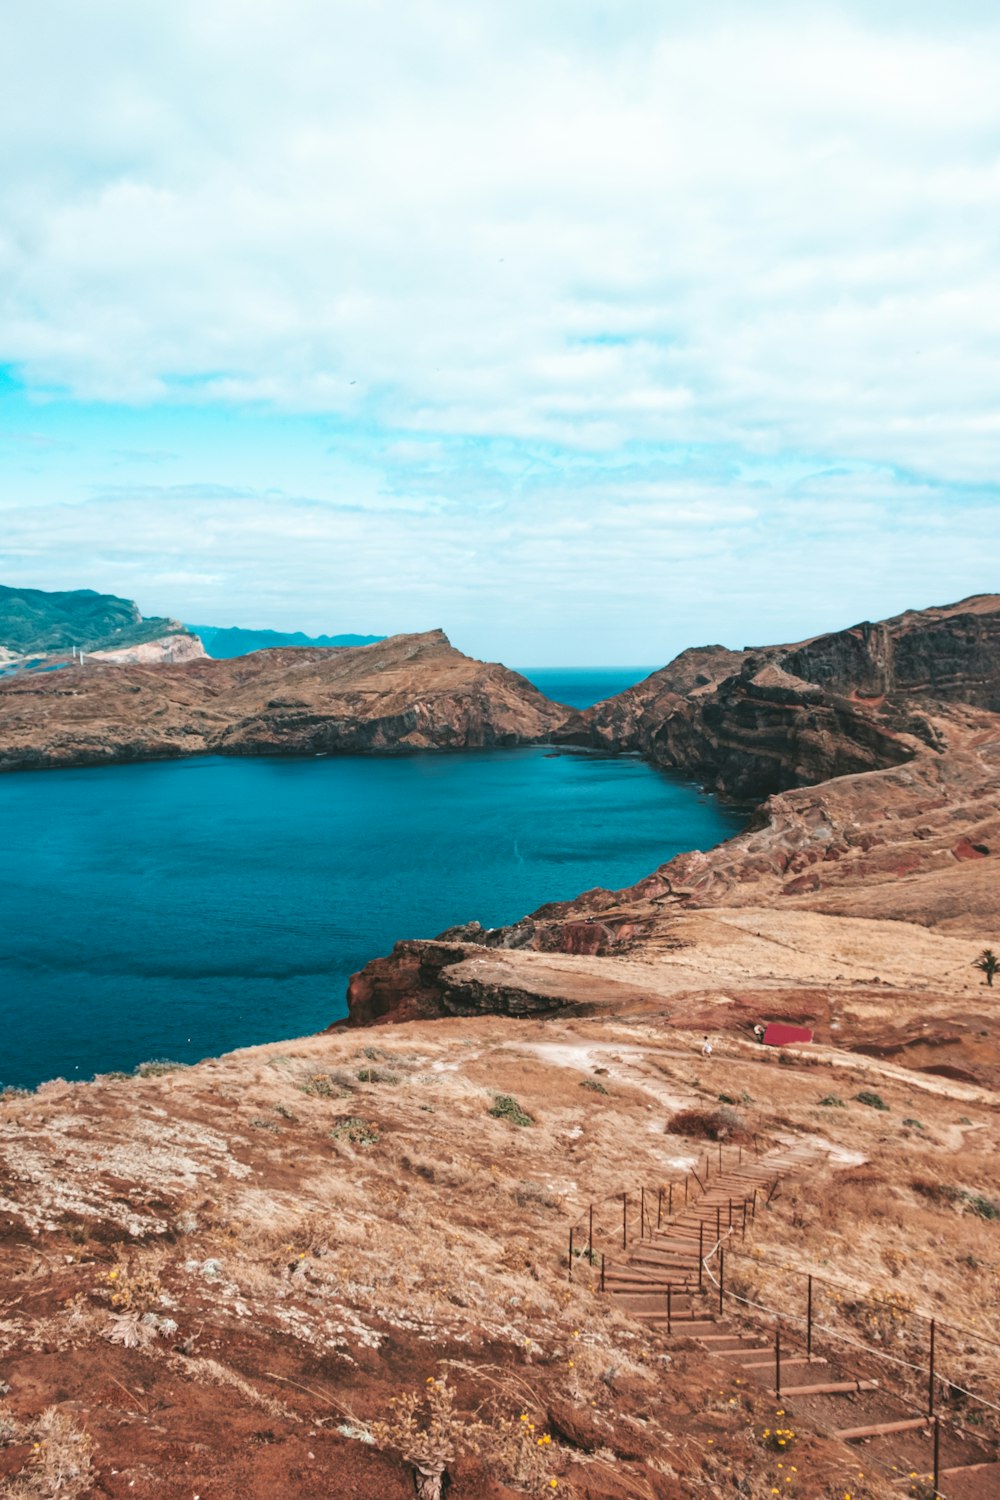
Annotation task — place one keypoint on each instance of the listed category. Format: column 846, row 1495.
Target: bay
column 182, row 908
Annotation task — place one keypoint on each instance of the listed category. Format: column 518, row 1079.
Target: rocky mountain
column 764, row 719
column 225, row 642
column 38, row 624
column 410, row 692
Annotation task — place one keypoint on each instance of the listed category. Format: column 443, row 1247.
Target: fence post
column 701, row 1253
column 590, row 1237
column 753, row 1207
column 624, row 1221
column 602, row 1270
column 777, row 1361
column 642, row 1213
column 722, row 1278
column 730, row 1213
column 809, row 1319
column 670, row 1200
column 740, row 1160
column 669, row 1328
column 744, row 1234
column 718, row 1223
column 686, row 1177
column 570, row 1277
column 720, row 1156
column 937, row 1453
column 930, row 1382
column 659, row 1208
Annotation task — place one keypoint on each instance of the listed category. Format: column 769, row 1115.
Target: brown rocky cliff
column 410, row 692
column 883, row 805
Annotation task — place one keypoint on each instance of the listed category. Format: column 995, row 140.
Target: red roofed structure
column 779, row 1035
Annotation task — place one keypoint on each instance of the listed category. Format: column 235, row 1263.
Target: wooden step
column 796, row 1359
column 832, row 1388
column 880, row 1429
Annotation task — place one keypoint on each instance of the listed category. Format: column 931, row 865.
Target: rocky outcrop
column 757, row 721
column 411, row 692
column 878, row 800
column 165, row 649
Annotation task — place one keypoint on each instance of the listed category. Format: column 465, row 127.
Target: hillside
column 411, row 692
column 38, row 623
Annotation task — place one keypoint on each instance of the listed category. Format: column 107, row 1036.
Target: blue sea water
column 579, row 687
column 182, row 908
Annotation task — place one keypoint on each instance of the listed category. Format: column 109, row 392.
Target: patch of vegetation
column 831, row 1101
column 259, row 1124
column 358, row 1132
column 720, row 1124
column 157, row 1066
column 913, row 1124
column 506, row 1107
column 285, row 1113
column 874, row 1101
column 324, row 1086
column 726, row 1099
column 593, row 1085
column 980, row 1205
column 376, row 1075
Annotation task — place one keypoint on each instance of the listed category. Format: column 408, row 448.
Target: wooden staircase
column 672, row 1278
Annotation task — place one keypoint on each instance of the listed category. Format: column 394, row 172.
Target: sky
column 584, row 331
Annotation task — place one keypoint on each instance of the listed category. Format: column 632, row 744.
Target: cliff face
column 757, row 721
column 882, row 801
column 411, row 692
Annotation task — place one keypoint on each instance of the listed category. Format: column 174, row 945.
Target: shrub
column 358, row 1132
column 157, row 1066
column 506, row 1107
column 724, row 1123
column 981, row 1206
column 593, row 1085
column 325, row 1086
column 376, row 1075
column 874, row 1101
column 830, row 1101
column 914, row 1124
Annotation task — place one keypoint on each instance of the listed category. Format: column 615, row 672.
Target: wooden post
column 685, row 1189
column 570, row 1277
column 624, row 1221
column 777, row 1361
column 602, row 1271
column 740, row 1159
column 659, row 1208
column 744, row 1234
column 701, row 1253
column 669, row 1327
column 809, row 1319
column 718, row 1223
column 753, row 1207
column 590, row 1237
column 722, row 1278
column 730, row 1213
column 642, row 1212
column 930, row 1382
column 670, row 1199
column 720, row 1156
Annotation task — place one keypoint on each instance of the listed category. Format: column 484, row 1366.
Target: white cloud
column 412, row 216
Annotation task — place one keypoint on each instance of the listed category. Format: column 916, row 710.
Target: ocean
column 178, row 909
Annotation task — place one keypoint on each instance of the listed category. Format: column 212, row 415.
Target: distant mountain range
column 37, row 623
column 226, row 641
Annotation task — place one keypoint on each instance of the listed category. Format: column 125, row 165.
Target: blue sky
column 585, row 331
